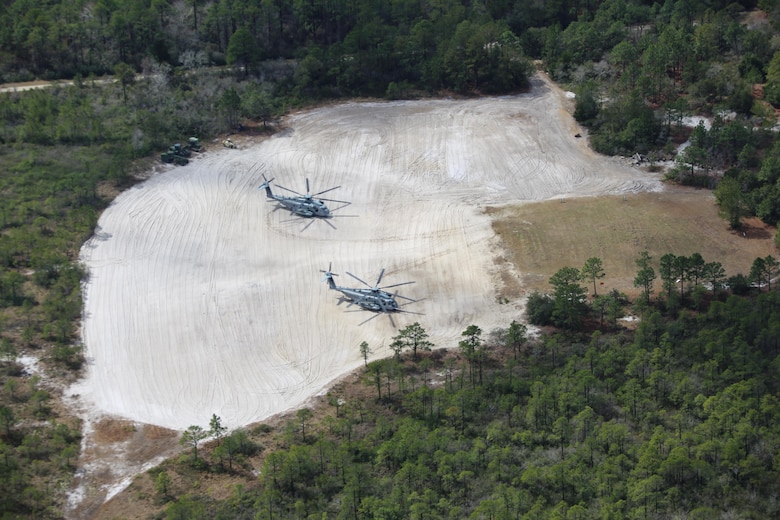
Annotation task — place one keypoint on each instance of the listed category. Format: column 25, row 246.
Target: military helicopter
column 302, row 205
column 373, row 298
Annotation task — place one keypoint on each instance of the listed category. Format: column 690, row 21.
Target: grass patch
column 540, row 238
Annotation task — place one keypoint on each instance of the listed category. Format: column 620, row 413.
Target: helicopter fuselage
column 304, row 206
column 370, row 299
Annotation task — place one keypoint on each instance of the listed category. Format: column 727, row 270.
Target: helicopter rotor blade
column 410, row 300
column 329, row 272
column 330, row 267
column 321, row 192
column 307, row 187
column 379, row 280
column 291, row 191
column 341, row 207
column 369, row 319
column 358, row 279
column 294, row 217
column 334, row 200
column 396, row 285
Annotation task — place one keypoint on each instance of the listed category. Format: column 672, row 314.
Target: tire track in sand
column 202, row 299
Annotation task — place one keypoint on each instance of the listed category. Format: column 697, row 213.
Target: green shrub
column 539, row 309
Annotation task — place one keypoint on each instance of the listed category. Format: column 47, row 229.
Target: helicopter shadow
column 388, row 314
column 342, row 299
column 298, row 220
column 309, row 220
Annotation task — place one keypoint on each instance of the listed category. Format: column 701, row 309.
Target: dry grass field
column 542, row 237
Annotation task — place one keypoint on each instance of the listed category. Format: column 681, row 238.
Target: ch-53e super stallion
column 303, row 205
column 373, row 298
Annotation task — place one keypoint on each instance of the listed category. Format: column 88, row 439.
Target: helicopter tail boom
column 267, row 187
column 331, row 282
column 329, row 278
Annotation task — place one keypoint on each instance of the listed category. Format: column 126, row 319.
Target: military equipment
column 193, row 143
column 176, row 154
column 371, row 297
column 303, row 205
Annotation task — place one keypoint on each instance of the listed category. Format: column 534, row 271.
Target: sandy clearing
column 203, row 299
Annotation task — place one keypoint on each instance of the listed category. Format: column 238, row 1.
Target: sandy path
column 203, row 299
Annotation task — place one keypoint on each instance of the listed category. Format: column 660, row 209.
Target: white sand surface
column 202, row 298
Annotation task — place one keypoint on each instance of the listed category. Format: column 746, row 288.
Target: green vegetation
column 678, row 418
column 204, row 67
column 38, row 447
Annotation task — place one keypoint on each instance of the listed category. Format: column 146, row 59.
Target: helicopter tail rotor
column 329, row 276
column 267, row 187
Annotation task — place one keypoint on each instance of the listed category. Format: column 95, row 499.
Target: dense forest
column 133, row 76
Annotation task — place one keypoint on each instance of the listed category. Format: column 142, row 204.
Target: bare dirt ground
column 203, row 299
